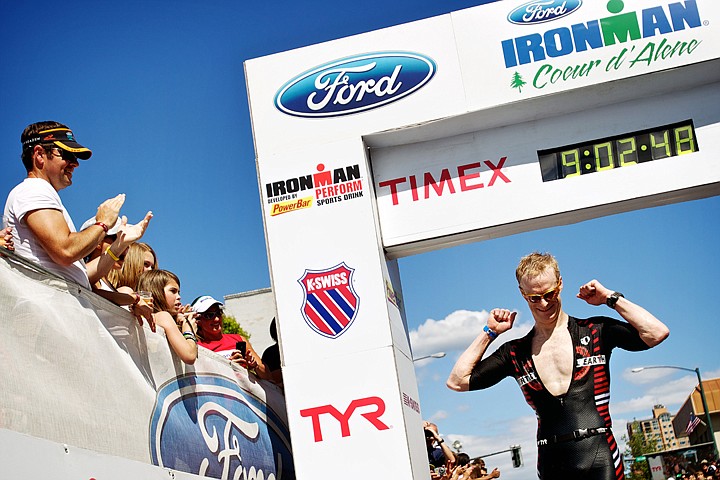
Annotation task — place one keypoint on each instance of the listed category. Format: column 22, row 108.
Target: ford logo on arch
column 355, row 84
column 539, row 11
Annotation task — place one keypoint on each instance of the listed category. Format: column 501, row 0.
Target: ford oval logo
column 540, row 11
column 208, row 426
column 355, row 84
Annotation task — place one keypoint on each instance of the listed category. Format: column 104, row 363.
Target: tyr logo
column 344, row 418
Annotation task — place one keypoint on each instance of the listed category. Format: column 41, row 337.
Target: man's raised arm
column 651, row 330
column 499, row 321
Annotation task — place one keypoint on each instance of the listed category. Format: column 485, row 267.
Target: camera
column 440, row 471
column 242, row 347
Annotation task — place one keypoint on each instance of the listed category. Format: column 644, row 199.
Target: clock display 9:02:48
column 619, row 151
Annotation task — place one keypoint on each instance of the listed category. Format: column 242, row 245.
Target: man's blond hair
column 535, row 264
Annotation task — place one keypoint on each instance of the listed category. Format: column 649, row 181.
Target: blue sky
column 157, row 90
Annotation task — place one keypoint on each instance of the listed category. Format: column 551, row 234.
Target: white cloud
column 437, row 416
column 455, row 333
column 521, row 431
column 659, row 390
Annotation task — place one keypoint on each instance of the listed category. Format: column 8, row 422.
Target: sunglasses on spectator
column 549, row 296
column 211, row 314
column 64, row 154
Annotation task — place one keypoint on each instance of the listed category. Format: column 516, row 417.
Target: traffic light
column 516, row 456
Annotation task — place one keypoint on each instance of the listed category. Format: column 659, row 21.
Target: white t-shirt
column 38, row 194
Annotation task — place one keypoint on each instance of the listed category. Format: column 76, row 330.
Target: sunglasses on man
column 549, row 296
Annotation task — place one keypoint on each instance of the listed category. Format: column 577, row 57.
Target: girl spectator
column 139, row 258
column 111, row 251
column 170, row 313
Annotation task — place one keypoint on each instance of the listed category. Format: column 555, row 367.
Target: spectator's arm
column 254, row 362
column 99, row 267
column 138, row 307
column 457, row 471
column 126, row 236
column 494, row 474
column 63, row 246
column 6, row 238
column 449, row 455
column 432, row 428
column 185, row 348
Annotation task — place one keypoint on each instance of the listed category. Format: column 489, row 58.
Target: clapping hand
column 6, row 238
column 132, row 233
column 108, row 211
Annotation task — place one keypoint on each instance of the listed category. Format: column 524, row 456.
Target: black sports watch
column 613, row 298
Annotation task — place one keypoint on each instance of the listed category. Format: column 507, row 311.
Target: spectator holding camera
column 230, row 345
column 439, row 454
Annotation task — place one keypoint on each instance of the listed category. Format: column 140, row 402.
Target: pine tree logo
column 517, row 82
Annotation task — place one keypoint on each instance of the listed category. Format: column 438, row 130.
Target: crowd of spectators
column 106, row 255
column 447, row 465
column 682, row 469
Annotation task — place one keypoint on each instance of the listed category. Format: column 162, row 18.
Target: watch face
column 612, row 299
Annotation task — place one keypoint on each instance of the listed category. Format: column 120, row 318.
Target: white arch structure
column 429, row 134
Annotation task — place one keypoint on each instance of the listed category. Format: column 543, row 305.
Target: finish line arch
column 445, row 131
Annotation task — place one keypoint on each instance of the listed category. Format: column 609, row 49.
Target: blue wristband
column 490, row 333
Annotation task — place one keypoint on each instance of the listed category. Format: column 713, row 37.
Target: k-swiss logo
column 330, row 304
column 539, row 11
column 355, row 84
column 344, row 418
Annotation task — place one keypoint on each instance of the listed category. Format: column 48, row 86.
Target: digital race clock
column 619, row 151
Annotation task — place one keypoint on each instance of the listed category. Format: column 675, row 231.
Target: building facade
column 658, row 431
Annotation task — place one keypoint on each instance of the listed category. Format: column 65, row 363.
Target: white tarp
column 80, row 371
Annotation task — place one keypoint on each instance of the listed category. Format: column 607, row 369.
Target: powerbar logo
column 617, row 28
column 328, row 186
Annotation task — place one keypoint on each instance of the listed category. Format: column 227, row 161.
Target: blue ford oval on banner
column 355, row 84
column 330, row 303
column 208, row 425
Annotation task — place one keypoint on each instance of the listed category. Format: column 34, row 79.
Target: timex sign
column 371, row 415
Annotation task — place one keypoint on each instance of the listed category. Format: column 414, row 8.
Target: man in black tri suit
column 562, row 367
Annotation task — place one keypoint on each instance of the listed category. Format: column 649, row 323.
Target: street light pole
column 702, row 397
column 434, row 355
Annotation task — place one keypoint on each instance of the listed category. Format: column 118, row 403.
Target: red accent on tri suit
column 585, row 404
